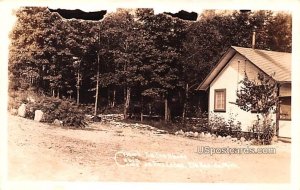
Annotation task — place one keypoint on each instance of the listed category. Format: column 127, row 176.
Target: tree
column 124, row 33
column 260, row 97
column 280, row 32
column 31, row 48
column 38, row 49
column 119, row 29
column 166, row 35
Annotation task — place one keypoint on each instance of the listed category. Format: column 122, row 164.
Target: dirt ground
column 103, row 152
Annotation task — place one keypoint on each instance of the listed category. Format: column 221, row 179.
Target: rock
column 22, row 110
column 151, row 128
column 228, row 137
column 94, row 118
column 181, row 132
column 88, row 116
column 207, row 135
column 14, row 111
column 239, row 142
column 202, row 135
column 196, row 134
column 189, row 134
column 214, row 136
column 38, row 115
column 243, row 139
column 220, row 137
column 136, row 125
column 159, row 131
column 57, row 122
column 247, row 143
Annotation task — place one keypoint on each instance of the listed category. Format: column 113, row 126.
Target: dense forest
column 133, row 59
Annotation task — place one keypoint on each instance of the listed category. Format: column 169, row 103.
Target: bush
column 219, row 126
column 263, row 134
column 53, row 108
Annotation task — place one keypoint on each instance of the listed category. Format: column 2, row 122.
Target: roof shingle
column 269, row 61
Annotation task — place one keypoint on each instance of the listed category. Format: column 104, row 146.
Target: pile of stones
column 138, row 126
column 110, row 117
column 202, row 135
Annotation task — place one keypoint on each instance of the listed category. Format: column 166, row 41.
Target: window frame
column 279, row 117
column 215, row 98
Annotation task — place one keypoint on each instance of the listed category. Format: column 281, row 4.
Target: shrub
column 53, row 108
column 219, row 126
column 263, row 134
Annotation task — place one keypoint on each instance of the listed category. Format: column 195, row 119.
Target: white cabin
column 223, row 82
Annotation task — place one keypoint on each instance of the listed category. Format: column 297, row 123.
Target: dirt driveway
column 106, row 153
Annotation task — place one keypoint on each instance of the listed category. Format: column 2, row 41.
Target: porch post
column 277, row 111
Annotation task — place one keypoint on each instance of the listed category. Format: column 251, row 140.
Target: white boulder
column 38, row 115
column 22, row 110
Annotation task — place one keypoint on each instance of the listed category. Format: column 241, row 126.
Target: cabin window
column 220, row 100
column 285, row 108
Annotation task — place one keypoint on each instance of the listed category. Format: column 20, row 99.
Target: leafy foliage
column 221, row 127
column 260, row 97
column 53, row 108
column 143, row 57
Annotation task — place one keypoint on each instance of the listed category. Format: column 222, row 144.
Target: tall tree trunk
column 78, row 86
column 185, row 102
column 53, row 92
column 114, row 98
column 167, row 110
column 127, row 102
column 109, row 101
column 124, row 92
column 142, row 109
column 97, row 77
column 58, row 95
column 97, row 86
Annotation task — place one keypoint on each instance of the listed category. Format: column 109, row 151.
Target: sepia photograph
column 147, row 94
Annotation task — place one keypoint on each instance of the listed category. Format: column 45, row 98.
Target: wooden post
column 277, row 111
